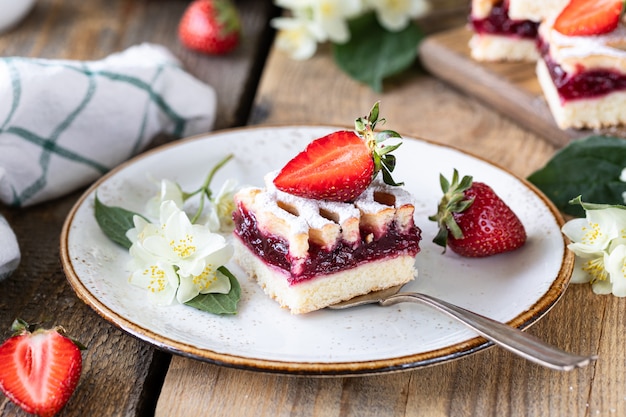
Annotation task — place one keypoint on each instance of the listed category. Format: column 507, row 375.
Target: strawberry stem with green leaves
column 381, row 144
column 453, row 201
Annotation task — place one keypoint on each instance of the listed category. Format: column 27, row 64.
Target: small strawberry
column 589, row 17
column 474, row 221
column 341, row 165
column 40, row 368
column 210, row 26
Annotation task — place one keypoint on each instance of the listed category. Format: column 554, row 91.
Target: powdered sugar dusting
column 595, row 51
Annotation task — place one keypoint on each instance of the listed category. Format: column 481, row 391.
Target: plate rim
column 522, row 321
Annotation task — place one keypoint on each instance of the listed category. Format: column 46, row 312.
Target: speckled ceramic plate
column 518, row 288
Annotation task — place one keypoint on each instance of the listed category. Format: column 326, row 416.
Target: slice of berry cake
column 308, row 254
column 582, row 70
column 506, row 30
column 325, row 229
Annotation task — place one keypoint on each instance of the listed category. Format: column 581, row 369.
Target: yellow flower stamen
column 595, row 268
column 184, row 247
column 157, row 278
column 206, row 278
column 592, row 234
column 327, row 9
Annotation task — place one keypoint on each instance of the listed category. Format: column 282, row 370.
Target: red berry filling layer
column 274, row 250
column 582, row 84
column 499, row 23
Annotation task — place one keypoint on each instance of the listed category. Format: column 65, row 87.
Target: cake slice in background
column 506, row 30
column 582, row 70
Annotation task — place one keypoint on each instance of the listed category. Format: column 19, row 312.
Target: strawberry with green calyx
column 40, row 368
column 589, row 17
column 474, row 221
column 341, row 165
column 210, row 26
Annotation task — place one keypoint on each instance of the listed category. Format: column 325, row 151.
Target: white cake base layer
column 486, row 47
column 324, row 290
column 606, row 111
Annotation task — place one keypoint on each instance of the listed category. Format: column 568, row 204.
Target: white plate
column 518, row 288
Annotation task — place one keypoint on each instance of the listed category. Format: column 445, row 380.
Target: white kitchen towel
column 65, row 123
column 9, row 250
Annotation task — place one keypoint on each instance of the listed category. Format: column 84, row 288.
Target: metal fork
column 523, row 344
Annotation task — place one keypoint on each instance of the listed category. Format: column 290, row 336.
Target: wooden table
column 256, row 85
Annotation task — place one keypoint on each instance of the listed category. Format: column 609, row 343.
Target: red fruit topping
column 336, row 167
column 341, row 165
column 589, row 17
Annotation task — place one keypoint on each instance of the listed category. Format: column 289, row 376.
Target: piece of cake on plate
column 325, row 228
column 506, row 30
column 582, row 70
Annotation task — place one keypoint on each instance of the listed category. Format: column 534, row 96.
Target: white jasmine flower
column 297, row 37
column 616, row 268
column 332, row 15
column 222, row 207
column 599, row 243
column 159, row 278
column 177, row 259
column 591, row 269
column 168, row 190
column 594, row 233
column 395, row 15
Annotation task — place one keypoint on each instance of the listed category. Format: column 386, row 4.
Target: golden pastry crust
column 535, row 10
column 300, row 221
column 482, row 8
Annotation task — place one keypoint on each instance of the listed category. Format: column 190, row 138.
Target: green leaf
column 387, row 134
column 374, row 53
column 389, row 161
column 114, row 222
column 594, row 206
column 589, row 167
column 219, row 303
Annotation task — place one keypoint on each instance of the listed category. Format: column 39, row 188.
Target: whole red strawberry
column 40, row 369
column 341, row 165
column 474, row 221
column 210, row 26
column 589, row 17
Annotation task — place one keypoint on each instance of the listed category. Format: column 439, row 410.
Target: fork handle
column 510, row 338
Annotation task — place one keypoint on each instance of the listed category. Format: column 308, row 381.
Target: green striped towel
column 65, row 123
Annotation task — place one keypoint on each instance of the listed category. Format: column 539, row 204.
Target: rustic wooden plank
column 510, row 88
column 122, row 375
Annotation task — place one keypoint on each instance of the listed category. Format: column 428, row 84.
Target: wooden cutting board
column 510, row 88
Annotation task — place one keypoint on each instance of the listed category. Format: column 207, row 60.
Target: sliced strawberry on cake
column 582, row 70
column 326, row 228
